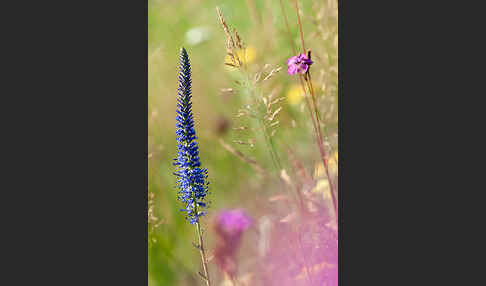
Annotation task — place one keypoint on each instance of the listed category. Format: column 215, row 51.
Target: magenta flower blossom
column 229, row 226
column 299, row 64
column 233, row 222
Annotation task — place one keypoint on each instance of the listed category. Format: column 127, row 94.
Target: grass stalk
column 288, row 29
column 321, row 142
column 251, row 88
column 300, row 26
column 254, row 12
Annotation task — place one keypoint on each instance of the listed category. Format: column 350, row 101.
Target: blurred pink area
column 229, row 225
column 303, row 251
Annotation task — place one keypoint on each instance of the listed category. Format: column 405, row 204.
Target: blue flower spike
column 192, row 182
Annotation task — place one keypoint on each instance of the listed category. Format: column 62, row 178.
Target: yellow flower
column 295, row 94
column 319, row 170
column 321, row 187
column 333, row 163
column 322, row 184
column 246, row 56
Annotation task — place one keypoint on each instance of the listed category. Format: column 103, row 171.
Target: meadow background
column 194, row 25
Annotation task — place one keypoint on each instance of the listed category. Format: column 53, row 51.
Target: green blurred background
column 194, row 24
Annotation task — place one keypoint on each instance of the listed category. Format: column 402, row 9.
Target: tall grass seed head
column 192, row 183
column 245, row 56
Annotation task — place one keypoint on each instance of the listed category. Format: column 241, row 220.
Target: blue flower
column 192, row 183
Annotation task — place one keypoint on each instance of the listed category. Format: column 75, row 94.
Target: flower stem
column 311, row 90
column 288, row 29
column 300, row 26
column 317, row 123
column 203, row 254
column 322, row 150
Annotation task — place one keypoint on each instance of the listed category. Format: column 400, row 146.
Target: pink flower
column 229, row 227
column 299, row 64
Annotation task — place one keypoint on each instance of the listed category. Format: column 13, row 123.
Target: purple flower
column 299, row 64
column 229, row 226
column 233, row 222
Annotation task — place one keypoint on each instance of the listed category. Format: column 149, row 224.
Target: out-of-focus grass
column 172, row 258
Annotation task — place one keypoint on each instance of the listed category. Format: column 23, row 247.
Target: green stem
column 270, row 146
column 201, row 245
column 261, row 122
column 203, row 254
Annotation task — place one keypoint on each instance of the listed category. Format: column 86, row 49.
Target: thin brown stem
column 203, row 254
column 288, row 29
column 331, row 189
column 300, row 77
column 242, row 157
column 321, row 143
column 253, row 11
column 308, row 103
column 323, row 158
column 317, row 125
column 314, row 100
column 300, row 26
